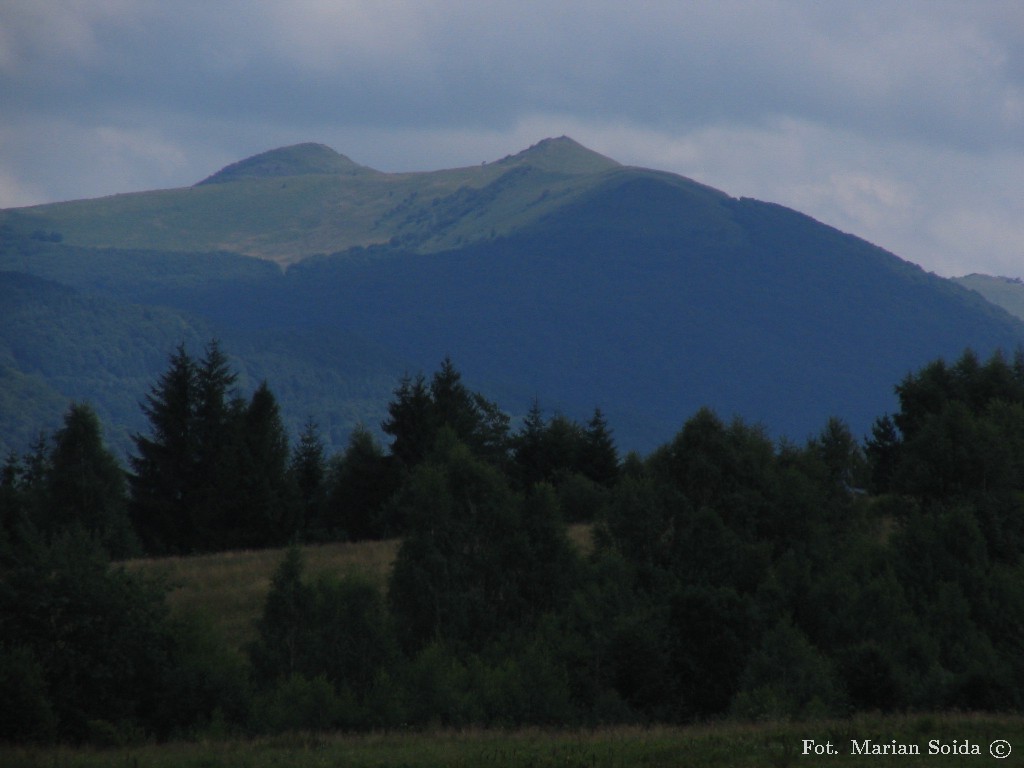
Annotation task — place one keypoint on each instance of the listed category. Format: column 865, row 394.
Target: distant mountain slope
column 71, row 346
column 99, row 344
column 1005, row 292
column 553, row 273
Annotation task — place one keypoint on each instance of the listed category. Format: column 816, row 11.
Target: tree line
column 730, row 575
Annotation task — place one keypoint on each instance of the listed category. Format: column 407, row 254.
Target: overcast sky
column 901, row 122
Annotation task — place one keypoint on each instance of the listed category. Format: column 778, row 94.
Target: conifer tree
column 263, row 508
column 528, row 447
column 453, row 403
column 280, row 645
column 362, row 481
column 307, row 470
column 840, row 457
column 562, row 447
column 86, row 484
column 882, row 450
column 219, row 421
column 411, row 421
column 600, row 458
column 164, row 475
column 333, row 630
column 208, row 455
column 476, row 421
column 490, row 437
column 419, row 411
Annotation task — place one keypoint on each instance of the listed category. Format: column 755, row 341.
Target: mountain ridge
column 295, row 160
column 289, row 203
column 562, row 154
column 553, row 273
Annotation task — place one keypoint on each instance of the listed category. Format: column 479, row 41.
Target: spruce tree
column 453, row 403
column 164, row 471
column 264, row 507
column 600, row 458
column 882, row 450
column 490, row 437
column 528, row 447
column 411, row 421
column 419, row 411
column 362, row 481
column 87, row 485
column 186, row 473
column 280, row 646
column 219, row 416
column 307, row 471
column 562, row 447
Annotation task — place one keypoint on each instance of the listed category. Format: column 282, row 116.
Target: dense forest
column 731, row 575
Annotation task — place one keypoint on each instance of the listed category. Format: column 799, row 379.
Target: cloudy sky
column 902, row 122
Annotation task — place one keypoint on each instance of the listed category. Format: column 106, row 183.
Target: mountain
column 298, row 160
column 652, row 296
column 553, row 273
column 289, row 203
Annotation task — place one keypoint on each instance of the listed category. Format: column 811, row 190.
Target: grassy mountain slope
column 286, row 204
column 553, row 273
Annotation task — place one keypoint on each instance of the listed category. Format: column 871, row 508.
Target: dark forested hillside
column 59, row 344
column 654, row 297
column 104, row 334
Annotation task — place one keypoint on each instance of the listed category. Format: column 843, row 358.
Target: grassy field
column 229, row 587
column 733, row 745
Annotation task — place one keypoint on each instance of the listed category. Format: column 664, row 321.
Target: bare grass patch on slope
column 230, row 587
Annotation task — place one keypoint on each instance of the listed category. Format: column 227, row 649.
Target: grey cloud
column 114, row 95
column 875, row 65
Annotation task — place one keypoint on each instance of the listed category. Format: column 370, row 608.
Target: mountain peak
column 562, row 155
column 295, row 160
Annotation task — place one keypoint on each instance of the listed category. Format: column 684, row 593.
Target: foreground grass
column 733, row 745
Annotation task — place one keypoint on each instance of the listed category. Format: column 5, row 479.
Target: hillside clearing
column 228, row 588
